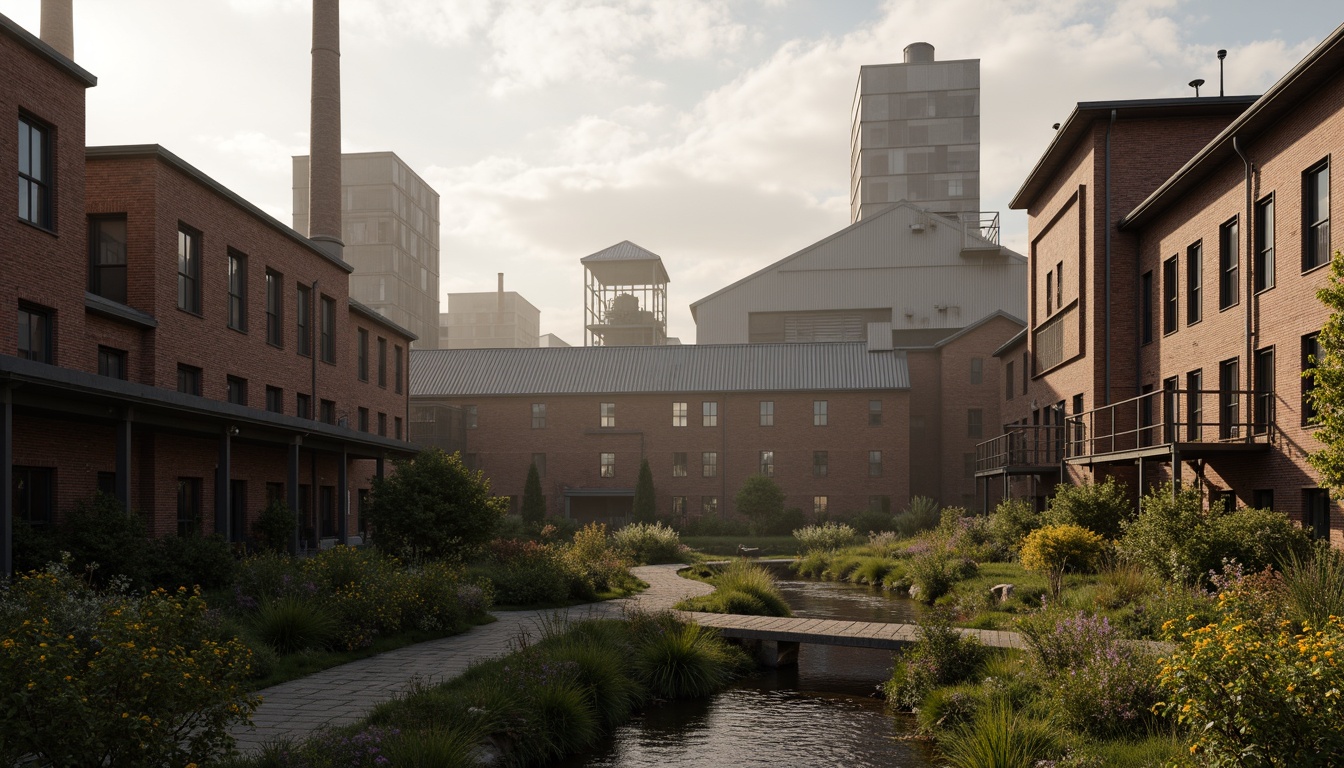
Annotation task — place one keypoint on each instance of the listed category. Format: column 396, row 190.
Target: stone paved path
column 342, row 695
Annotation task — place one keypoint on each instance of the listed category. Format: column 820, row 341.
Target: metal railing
column 1022, row 446
column 984, row 224
column 1168, row 416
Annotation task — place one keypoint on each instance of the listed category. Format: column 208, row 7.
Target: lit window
column 819, row 505
column 679, row 464
column 608, row 465
column 709, row 464
column 818, row 413
column 768, row 463
column 679, row 414
column 608, row 414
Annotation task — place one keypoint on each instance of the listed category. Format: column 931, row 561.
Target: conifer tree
column 645, row 504
column 534, row 504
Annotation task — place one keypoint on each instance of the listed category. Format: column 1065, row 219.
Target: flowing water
column 819, row 713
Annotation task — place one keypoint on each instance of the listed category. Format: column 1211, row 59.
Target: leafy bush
column 827, row 536
column 1099, row 507
column 1179, row 540
column 921, row 515
column 1011, row 521
column 186, row 561
column 934, row 570
column 1057, row 549
column 650, row 543
column 1252, row 690
column 111, row 678
column 759, row 500
column 274, row 527
column 101, row 535
column 526, row 573
column 784, row 523
column 433, row 506
column 941, row 656
column 874, row 521
column 593, row 562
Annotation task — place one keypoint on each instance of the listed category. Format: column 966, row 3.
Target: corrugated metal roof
column 685, row 368
column 622, row 251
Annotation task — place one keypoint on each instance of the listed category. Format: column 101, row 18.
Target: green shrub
column 34, row 547
column 1011, row 521
column 650, row 543
column 921, row 515
column 106, row 540
column 534, row 503
column 741, row 588
column 433, row 506
column 1099, row 507
column 274, row 527
column 593, row 561
column 812, row 564
column 110, row 678
column 292, row 624
column 759, row 500
column 826, row 536
column 998, row 737
column 186, row 561
column 1254, row 691
column 1057, row 549
column 935, row 570
column 1179, row 540
column 874, row 521
column 950, row 707
column 784, row 523
column 942, row 656
column 1314, row 585
column 872, row 570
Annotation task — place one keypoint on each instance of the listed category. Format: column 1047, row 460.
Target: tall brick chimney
column 324, row 153
column 58, row 26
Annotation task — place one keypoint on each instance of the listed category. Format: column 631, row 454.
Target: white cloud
column 258, row 151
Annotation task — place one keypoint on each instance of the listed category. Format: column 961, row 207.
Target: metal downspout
column 1249, row 260
column 1109, row 126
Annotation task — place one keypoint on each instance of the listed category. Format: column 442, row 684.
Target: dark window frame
column 1229, row 263
column 303, row 320
column 1264, row 243
column 538, row 415
column 975, row 422
column 275, row 399
column 326, row 324
column 34, row 488
column 821, row 413
column 189, row 506
column 709, row 413
column 275, row 309
column 821, row 463
column 1316, row 223
column 43, row 332
column 107, row 275
column 189, row 379
column 303, row 405
column 709, row 463
column 874, row 463
column 399, row 360
column 1229, row 399
column 680, row 412
column 112, row 362
column 382, row 362
column 362, row 352
column 188, row 269
column 607, row 464
column 237, row 261
column 38, row 187
column 680, row 467
column 874, row 413
column 1170, row 302
column 767, row 413
column 1194, row 282
column 1311, row 353
column 1262, row 369
column 236, row 389
column 766, row 463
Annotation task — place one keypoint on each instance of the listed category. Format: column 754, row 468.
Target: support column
column 123, row 459
column 343, row 500
column 223, row 472
column 6, row 482
column 1175, row 472
column 292, row 491
column 1141, row 488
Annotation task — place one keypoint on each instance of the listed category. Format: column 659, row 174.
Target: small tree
column 1056, row 549
column 645, row 503
column 1098, row 507
column 1325, row 377
column 760, row 500
column 275, row 526
column 433, row 506
column 534, row 505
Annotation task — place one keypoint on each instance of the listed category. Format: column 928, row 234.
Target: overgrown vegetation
column 741, row 588
column 433, row 506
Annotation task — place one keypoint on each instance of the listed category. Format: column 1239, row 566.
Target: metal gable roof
column 684, row 368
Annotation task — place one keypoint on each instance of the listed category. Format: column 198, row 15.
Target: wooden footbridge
column 776, row 640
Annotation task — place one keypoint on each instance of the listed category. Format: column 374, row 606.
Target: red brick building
column 842, row 427
column 174, row 346
column 1176, row 249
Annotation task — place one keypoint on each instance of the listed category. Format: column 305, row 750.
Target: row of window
column 709, row 464
column 709, row 414
column 1315, row 252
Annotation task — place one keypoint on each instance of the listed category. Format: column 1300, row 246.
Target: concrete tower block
column 324, row 170
column 58, row 26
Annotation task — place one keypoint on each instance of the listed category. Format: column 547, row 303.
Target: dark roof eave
column 117, row 311
column 1015, row 341
column 1075, row 127
column 1323, row 62
column 36, row 45
column 154, row 150
column 372, row 314
column 26, row 372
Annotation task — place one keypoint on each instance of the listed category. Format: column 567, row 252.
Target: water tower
column 624, row 297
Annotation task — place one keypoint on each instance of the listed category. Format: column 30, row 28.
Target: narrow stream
column 819, row 713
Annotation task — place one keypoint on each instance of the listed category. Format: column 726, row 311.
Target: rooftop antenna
column 1222, row 54
column 1195, row 84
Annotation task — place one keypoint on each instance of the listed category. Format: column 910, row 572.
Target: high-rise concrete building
column 915, row 135
column 390, row 227
column 489, row 320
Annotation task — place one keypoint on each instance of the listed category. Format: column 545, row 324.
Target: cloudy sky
column 712, row 132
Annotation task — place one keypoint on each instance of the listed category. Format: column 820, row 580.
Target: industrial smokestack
column 499, row 294
column 324, row 153
column 58, row 26
column 918, row 53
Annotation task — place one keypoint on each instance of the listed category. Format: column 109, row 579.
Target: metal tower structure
column 625, row 297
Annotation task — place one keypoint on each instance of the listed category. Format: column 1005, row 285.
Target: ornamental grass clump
column 684, row 661
column 650, row 544
column 109, row 677
column 942, row 656
column 824, row 537
column 293, row 624
column 741, row 588
column 1314, row 585
column 998, row 737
